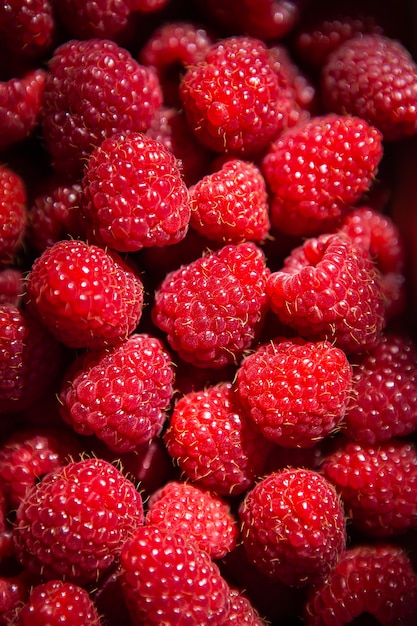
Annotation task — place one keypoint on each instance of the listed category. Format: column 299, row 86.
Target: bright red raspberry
column 375, row 78
column 120, row 394
column 232, row 97
column 214, row 443
column 30, row 359
column 27, row 28
column 13, row 214
column 94, row 89
column 58, row 603
column 85, row 296
column 295, row 391
column 377, row 483
column 12, row 286
column 293, row 526
column 73, row 524
column 99, row 18
column 197, row 514
column 14, row 592
column 318, row 169
column 213, row 308
column 169, row 580
column 134, row 194
column 231, row 204
column 373, row 582
column 329, row 289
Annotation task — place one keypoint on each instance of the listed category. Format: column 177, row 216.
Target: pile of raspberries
column 208, row 294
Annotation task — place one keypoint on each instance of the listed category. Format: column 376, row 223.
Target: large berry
column 73, row 524
column 85, row 296
column 293, row 526
column 13, row 214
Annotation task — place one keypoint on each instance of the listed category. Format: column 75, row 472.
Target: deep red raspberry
column 295, row 391
column 169, row 580
column 214, row 442
column 73, row 524
column 377, row 483
column 231, row 98
column 293, row 526
column 317, row 170
column 375, row 78
column 94, row 89
column 13, row 214
column 241, row 611
column 27, row 28
column 213, row 308
column 372, row 582
column 12, row 283
column 14, row 592
column 329, row 289
column 98, row 18
column 30, row 359
column 58, row 603
column 120, row 394
column 85, row 296
column 197, row 514
column 231, row 204
column 134, row 194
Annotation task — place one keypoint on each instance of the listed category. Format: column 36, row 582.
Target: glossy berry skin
column 72, row 525
column 13, row 214
column 375, row 78
column 213, row 307
column 58, row 603
column 167, row 579
column 134, row 194
column 119, row 394
column 91, row 93
column 213, row 441
column 329, row 289
column 85, row 296
column 377, row 483
column 369, row 581
column 295, row 391
column 317, row 170
column 293, row 526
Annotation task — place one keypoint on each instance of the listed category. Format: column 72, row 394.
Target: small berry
column 101, row 19
column 12, row 286
column 27, row 29
column 13, row 214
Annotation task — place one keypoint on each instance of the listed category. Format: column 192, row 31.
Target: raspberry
column 12, row 283
column 293, row 526
column 168, row 580
column 231, row 205
column 134, row 194
column 27, row 28
column 13, row 214
column 241, row 612
column 13, row 595
column 375, row 78
column 369, row 581
column 377, row 483
column 73, row 524
column 231, row 98
column 213, row 308
column 120, row 394
column 295, row 391
column 198, row 515
column 213, row 441
column 94, row 89
column 86, row 297
column 86, row 20
column 318, row 169
column 329, row 289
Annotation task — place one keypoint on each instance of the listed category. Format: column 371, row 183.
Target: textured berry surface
column 12, row 283
column 293, row 526
column 98, row 18
column 26, row 29
column 13, row 214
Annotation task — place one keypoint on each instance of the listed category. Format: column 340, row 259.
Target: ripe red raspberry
column 94, row 89
column 120, row 394
column 241, row 612
column 377, row 483
column 88, row 19
column 232, row 97
column 231, row 204
column 295, row 391
column 375, row 78
column 169, row 580
column 27, row 29
column 214, row 442
column 86, row 297
column 195, row 513
column 58, row 603
column 213, row 308
column 134, row 194
column 293, row 526
column 12, row 282
column 13, row 214
column 329, row 289
column 372, row 582
column 318, row 169
column 73, row 524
